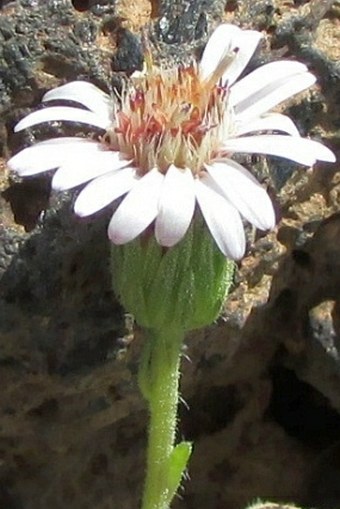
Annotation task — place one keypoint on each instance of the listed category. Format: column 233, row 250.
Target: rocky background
column 263, row 383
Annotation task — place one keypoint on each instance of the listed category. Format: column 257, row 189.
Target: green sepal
column 183, row 285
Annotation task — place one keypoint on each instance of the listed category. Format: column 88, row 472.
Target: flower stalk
column 169, row 292
column 159, row 376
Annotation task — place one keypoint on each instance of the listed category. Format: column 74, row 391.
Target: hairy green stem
column 159, row 382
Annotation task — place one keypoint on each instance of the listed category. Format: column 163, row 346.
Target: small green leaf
column 178, row 461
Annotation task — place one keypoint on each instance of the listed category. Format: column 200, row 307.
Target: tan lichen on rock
column 136, row 15
column 328, row 37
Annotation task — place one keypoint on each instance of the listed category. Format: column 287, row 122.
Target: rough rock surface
column 263, row 384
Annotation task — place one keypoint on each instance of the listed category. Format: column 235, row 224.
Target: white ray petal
column 243, row 192
column 246, row 42
column 104, row 190
column 82, row 167
column 301, row 150
column 83, row 93
column 222, row 219
column 61, row 113
column 272, row 95
column 49, row 154
column 176, row 206
column 137, row 210
column 268, row 122
column 262, row 77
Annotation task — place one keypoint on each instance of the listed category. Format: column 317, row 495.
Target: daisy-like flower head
column 169, row 143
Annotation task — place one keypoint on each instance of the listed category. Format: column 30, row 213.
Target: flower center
column 170, row 117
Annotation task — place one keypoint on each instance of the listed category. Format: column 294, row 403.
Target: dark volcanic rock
column 263, row 384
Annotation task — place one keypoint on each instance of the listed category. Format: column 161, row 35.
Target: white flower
column 169, row 142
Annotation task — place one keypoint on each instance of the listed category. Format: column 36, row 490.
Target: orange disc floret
column 193, row 123
column 124, row 123
column 137, row 101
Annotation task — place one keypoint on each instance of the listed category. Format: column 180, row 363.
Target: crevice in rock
column 302, row 411
column 210, row 411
